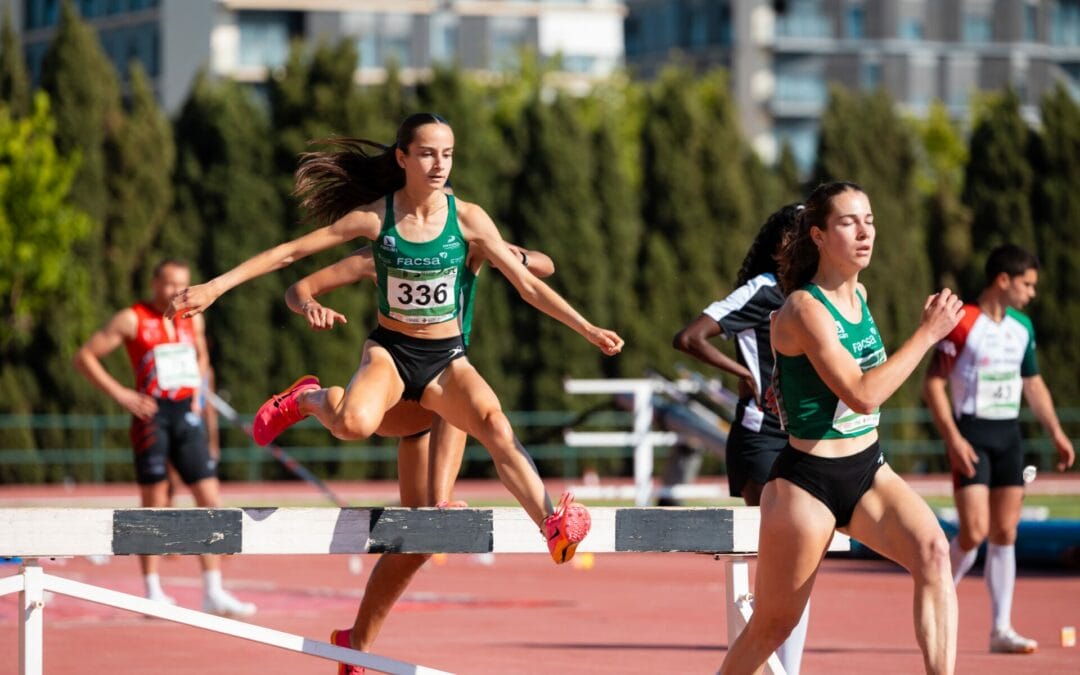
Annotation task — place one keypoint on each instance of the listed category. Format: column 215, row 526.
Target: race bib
column 846, row 420
column 998, row 395
column 421, row 297
column 177, row 366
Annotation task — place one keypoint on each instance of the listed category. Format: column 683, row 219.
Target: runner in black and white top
column 756, row 437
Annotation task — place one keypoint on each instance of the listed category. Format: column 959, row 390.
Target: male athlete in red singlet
column 171, row 363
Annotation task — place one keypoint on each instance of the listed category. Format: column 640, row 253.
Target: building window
column 1031, row 16
column 871, row 75
column 911, row 28
column 800, row 80
column 802, row 137
column 396, row 39
column 507, row 35
column 41, row 13
column 977, row 28
column 855, row 22
column 1065, row 23
column 803, row 19
column 265, row 36
column 444, row 37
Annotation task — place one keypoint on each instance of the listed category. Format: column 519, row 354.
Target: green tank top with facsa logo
column 427, row 282
column 808, row 408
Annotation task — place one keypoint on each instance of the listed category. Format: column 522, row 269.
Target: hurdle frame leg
column 739, row 604
column 32, row 621
column 33, row 582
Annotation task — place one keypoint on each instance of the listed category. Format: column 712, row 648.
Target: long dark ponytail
column 799, row 256
column 353, row 171
column 761, row 257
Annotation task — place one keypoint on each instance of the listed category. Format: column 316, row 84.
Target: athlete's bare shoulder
column 125, row 323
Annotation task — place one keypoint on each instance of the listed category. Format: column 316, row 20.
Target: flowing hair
column 353, row 171
column 761, row 257
column 799, row 257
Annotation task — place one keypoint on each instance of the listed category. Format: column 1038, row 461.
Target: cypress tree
column 616, row 182
column 734, row 179
column 81, row 82
column 863, row 139
column 141, row 156
column 1056, row 206
column 558, row 215
column 14, row 78
column 226, row 202
column 941, row 178
column 998, row 183
column 316, row 98
column 674, row 192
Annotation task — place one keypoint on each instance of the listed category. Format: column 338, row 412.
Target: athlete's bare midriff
column 835, row 447
column 427, row 331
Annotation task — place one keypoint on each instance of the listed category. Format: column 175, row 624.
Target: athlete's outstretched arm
column 537, row 262
column 804, row 326
column 362, row 222
column 481, row 232
column 300, row 297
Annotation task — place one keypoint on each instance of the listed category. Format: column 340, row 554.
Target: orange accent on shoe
column 281, row 411
column 340, row 638
column 565, row 528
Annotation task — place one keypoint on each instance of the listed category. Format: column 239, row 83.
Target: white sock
column 1000, row 573
column 212, row 583
column 153, row 586
column 790, row 653
column 961, row 560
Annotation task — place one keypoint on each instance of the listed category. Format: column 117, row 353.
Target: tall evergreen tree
column 787, row 169
column 941, row 175
column 616, row 186
column 998, row 183
column 81, row 82
column 227, row 203
column 141, row 155
column 736, row 185
column 14, row 78
column 1056, row 202
column 556, row 213
column 317, row 98
column 863, row 139
column 674, row 192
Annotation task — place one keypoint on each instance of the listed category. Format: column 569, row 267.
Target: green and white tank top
column 422, row 283
column 808, row 408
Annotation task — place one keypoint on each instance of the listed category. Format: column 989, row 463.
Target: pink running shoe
column 566, row 528
column 340, row 638
column 281, row 411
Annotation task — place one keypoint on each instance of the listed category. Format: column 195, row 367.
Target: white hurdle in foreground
column 33, row 533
